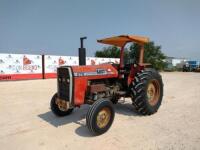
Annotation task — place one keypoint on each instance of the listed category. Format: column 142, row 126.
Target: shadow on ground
column 78, row 117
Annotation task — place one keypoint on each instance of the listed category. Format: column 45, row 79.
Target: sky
column 55, row 26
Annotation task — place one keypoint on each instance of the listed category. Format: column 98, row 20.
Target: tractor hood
column 100, row 71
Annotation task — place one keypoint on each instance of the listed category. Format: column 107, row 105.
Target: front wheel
column 58, row 110
column 100, row 116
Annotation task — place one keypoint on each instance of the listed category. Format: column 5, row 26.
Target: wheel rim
column 62, row 105
column 103, row 117
column 153, row 92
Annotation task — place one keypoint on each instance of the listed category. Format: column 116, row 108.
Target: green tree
column 111, row 52
column 108, row 52
column 152, row 54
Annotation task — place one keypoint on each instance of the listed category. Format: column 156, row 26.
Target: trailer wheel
column 147, row 91
column 100, row 116
column 56, row 110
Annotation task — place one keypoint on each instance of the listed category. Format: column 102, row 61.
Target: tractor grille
column 63, row 77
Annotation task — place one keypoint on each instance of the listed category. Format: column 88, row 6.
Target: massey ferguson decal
column 95, row 73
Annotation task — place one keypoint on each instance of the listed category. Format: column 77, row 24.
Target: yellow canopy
column 123, row 39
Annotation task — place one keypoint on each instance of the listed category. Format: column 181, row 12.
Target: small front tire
column 55, row 109
column 100, row 116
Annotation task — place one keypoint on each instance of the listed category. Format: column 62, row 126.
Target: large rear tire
column 56, row 110
column 100, row 116
column 147, row 91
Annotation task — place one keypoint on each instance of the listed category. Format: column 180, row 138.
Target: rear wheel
column 100, row 116
column 147, row 91
column 58, row 110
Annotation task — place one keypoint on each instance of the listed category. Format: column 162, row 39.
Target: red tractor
column 103, row 85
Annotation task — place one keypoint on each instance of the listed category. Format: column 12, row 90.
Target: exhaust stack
column 82, row 53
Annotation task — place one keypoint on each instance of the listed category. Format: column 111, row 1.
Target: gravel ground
column 26, row 122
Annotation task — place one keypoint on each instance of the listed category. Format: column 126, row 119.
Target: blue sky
column 54, row 26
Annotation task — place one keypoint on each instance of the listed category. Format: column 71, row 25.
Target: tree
column 111, row 52
column 108, row 52
column 152, row 54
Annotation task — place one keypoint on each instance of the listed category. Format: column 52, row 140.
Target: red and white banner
column 97, row 60
column 52, row 62
column 20, row 66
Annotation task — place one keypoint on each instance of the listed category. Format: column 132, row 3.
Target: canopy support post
column 122, row 57
column 141, row 59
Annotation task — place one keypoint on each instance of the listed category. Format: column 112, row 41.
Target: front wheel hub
column 103, row 117
column 62, row 104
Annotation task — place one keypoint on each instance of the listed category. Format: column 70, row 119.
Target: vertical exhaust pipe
column 82, row 53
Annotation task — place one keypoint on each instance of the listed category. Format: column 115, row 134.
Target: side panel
column 80, row 87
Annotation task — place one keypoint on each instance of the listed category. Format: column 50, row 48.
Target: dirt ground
column 26, row 122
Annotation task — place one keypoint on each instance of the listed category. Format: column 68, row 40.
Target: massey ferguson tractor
column 103, row 85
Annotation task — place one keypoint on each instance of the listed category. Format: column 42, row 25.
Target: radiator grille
column 63, row 79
